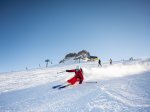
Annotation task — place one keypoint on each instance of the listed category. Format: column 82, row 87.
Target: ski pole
column 61, row 72
column 91, row 82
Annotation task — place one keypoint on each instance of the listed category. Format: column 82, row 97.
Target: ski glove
column 80, row 82
column 67, row 70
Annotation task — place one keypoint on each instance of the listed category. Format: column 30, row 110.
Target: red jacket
column 78, row 76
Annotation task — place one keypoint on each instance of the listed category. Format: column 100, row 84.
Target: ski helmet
column 78, row 67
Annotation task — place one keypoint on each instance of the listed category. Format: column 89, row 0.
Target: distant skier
column 99, row 63
column 110, row 61
column 78, row 77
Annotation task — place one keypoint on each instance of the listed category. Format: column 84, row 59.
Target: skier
column 99, row 63
column 78, row 77
column 110, row 61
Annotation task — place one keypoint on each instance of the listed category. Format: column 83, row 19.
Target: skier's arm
column 70, row 70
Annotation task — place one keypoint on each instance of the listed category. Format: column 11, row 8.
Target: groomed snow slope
column 121, row 87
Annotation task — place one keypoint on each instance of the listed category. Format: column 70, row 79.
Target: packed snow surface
column 121, row 87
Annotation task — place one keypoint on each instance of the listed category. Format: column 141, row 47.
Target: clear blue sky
column 34, row 30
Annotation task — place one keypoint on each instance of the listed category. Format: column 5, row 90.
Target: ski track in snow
column 122, row 87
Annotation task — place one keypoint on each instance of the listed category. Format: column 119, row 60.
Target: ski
column 60, row 86
column 54, row 87
column 64, row 86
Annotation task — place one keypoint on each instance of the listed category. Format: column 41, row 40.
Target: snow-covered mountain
column 122, row 87
column 81, row 56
